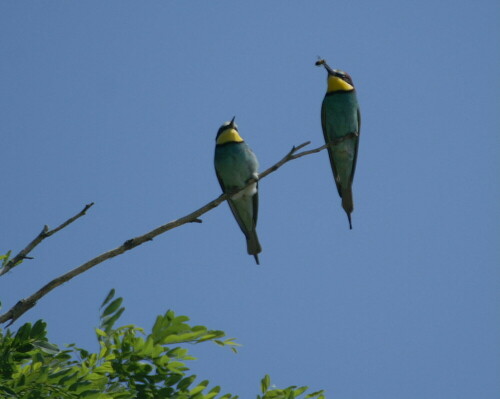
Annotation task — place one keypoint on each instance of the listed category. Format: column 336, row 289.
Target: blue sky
column 118, row 102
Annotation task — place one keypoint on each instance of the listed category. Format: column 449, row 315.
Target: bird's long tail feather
column 253, row 246
column 347, row 203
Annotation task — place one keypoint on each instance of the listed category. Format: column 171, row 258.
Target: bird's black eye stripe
column 348, row 79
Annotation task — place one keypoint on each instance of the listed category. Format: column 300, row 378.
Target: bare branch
column 70, row 220
column 16, row 260
column 24, row 305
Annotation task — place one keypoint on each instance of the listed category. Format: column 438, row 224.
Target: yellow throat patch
column 228, row 136
column 337, row 84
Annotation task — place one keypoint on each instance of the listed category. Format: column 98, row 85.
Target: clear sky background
column 118, row 102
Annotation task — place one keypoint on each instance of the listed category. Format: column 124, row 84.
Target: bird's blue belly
column 235, row 164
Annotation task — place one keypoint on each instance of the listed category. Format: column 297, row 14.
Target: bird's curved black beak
column 329, row 70
column 327, row 67
column 232, row 122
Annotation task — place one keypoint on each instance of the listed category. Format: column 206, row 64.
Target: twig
column 16, row 260
column 24, row 305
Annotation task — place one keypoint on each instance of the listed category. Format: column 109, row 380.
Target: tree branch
column 24, row 305
column 17, row 260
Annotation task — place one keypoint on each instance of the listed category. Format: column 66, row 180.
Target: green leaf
column 64, row 380
column 23, row 333
column 300, row 391
column 170, row 314
column 173, row 379
column 199, row 388
column 208, row 337
column 38, row 330
column 61, row 373
column 110, row 295
column 79, row 386
column 314, row 394
column 215, row 390
column 101, row 333
column 185, row 383
column 112, row 307
column 83, row 353
column 264, row 383
column 37, row 358
column 176, row 367
column 94, row 394
column 5, row 389
column 47, row 347
column 104, row 368
column 5, row 258
column 109, row 321
column 181, row 319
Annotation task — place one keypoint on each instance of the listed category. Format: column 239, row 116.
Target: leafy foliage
column 292, row 392
column 5, row 258
column 129, row 364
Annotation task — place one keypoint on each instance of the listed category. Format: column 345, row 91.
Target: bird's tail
column 347, row 203
column 253, row 245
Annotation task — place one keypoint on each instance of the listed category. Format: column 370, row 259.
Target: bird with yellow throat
column 341, row 122
column 235, row 166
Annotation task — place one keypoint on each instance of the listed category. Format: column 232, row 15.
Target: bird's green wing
column 220, row 181
column 329, row 149
column 356, row 148
column 234, row 208
column 255, row 201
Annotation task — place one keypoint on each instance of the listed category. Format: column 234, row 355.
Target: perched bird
column 235, row 165
column 341, row 122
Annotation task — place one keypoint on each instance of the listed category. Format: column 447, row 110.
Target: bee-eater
column 235, row 164
column 341, row 122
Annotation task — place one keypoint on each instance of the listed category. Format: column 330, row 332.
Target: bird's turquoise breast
column 235, row 163
column 340, row 110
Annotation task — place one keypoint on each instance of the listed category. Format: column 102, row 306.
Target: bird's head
column 228, row 133
column 337, row 80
